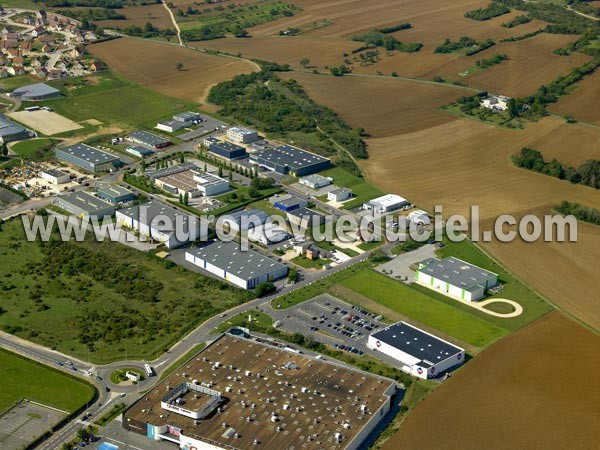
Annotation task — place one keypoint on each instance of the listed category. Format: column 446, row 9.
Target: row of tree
column 583, row 213
column 494, row 9
column 587, row 173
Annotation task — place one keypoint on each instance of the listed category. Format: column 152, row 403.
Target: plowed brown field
column 583, row 102
column 537, row 389
column 156, row 14
column 153, row 64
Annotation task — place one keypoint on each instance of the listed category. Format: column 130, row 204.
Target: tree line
column 379, row 38
column 582, row 213
column 587, row 174
column 494, row 9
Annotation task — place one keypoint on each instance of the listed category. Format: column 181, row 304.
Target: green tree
column 181, row 158
column 512, row 108
column 4, row 149
column 220, row 171
column 179, row 66
column 304, row 62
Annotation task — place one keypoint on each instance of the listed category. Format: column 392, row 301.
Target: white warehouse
column 455, row 278
column 160, row 222
column 245, row 269
column 422, row 354
column 387, row 203
column 55, row 176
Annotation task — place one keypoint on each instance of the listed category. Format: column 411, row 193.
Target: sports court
column 26, row 421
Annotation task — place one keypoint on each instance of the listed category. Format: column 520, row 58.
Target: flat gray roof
column 341, row 191
column 147, row 212
column 148, row 138
column 315, row 178
column 114, row 190
column 55, row 173
column 306, row 212
column 291, row 201
column 187, row 115
column 35, row 90
column 85, row 201
column 89, row 154
column 286, row 155
column 8, row 128
column 227, row 146
column 456, row 272
column 416, row 342
column 243, row 264
column 140, row 149
column 254, row 213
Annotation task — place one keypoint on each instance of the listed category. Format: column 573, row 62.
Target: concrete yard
column 46, row 122
column 26, row 421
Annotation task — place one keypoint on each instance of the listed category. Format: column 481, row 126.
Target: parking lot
column 24, row 422
column 331, row 321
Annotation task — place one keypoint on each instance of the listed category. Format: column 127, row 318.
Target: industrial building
column 315, row 181
column 306, row 218
column 88, row 158
column 84, row 205
column 245, row 269
column 419, row 217
column 422, row 354
column 187, row 178
column 148, row 139
column 37, row 91
column 227, row 150
column 55, row 176
column 187, row 117
column 10, row 131
column 290, row 160
column 170, row 126
column 244, row 219
column 114, row 193
column 139, row 151
column 160, row 222
column 290, row 203
column 339, row 195
column 455, row 278
column 242, row 135
column 244, row 392
column 267, row 233
column 386, row 203
column 206, row 141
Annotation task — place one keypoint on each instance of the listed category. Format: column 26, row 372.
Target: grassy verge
column 111, row 414
column 24, row 378
column 36, row 149
column 303, row 261
column 260, row 322
column 363, row 191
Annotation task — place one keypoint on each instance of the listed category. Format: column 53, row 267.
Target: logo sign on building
column 459, row 356
column 378, row 343
column 419, row 371
column 173, row 430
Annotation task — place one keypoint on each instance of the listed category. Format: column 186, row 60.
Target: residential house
column 46, row 48
column 38, row 31
column 76, row 52
column 25, row 46
column 11, row 37
column 18, row 61
column 40, row 72
column 13, row 53
column 16, row 70
column 47, row 39
column 96, row 66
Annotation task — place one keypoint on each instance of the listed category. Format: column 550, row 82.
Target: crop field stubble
column 536, row 389
column 582, row 103
column 156, row 14
column 154, row 65
column 463, row 162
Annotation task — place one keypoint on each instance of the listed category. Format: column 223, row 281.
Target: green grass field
column 362, row 190
column 112, row 99
column 23, row 378
column 423, row 308
column 70, row 297
column 259, row 322
column 29, row 147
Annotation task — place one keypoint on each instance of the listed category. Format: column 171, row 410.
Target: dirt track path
column 174, row 22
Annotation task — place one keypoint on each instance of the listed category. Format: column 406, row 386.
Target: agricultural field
column 156, row 14
column 23, row 378
column 154, row 65
column 402, row 106
column 513, row 392
column 74, row 297
column 582, row 103
column 530, row 64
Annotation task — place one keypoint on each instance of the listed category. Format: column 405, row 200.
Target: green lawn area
column 266, row 206
column 303, row 261
column 100, row 301
column 23, row 378
column 29, row 147
column 260, row 322
column 363, row 191
column 423, row 308
column 11, row 83
column 514, row 289
column 368, row 246
column 113, row 99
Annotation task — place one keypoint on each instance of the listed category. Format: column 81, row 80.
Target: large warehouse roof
column 456, row 272
column 416, row 342
column 87, row 153
column 147, row 138
column 228, row 256
column 147, row 212
column 287, row 155
column 274, row 399
column 36, row 90
column 8, row 128
column 85, row 201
